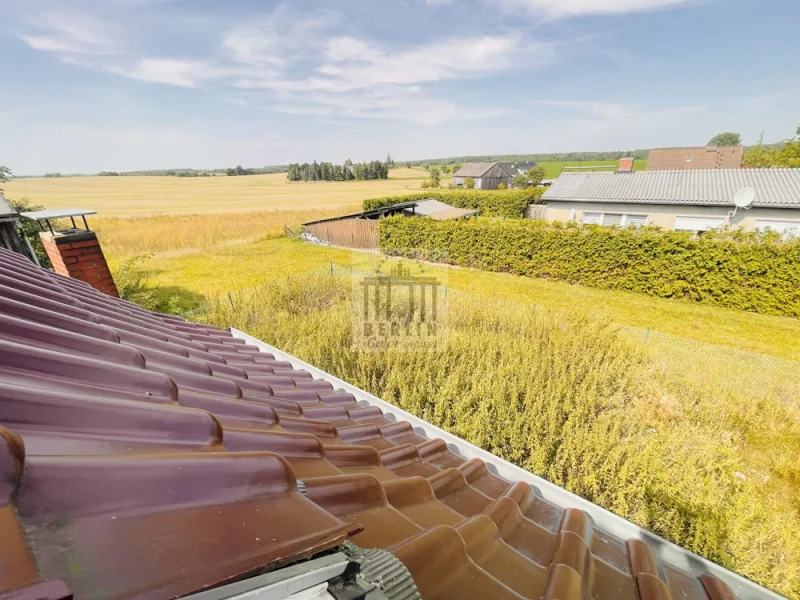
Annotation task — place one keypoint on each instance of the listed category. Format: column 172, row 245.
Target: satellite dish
column 744, row 198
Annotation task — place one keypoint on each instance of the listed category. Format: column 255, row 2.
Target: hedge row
column 747, row 271
column 495, row 203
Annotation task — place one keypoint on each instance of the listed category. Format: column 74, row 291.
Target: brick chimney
column 625, row 165
column 75, row 252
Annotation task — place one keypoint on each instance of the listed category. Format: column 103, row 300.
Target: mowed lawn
column 554, row 169
column 141, row 196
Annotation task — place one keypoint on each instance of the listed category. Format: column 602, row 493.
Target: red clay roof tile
column 143, row 456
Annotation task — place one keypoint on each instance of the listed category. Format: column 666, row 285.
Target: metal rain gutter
column 666, row 551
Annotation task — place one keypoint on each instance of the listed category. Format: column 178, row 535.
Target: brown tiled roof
column 142, row 456
column 710, row 157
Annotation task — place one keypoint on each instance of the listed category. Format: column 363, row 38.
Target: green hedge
column 747, row 271
column 499, row 203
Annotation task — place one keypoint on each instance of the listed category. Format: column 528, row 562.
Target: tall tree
column 726, row 138
column 436, row 177
column 536, row 175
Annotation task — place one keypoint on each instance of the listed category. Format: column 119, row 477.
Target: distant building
column 487, row 176
column 709, row 157
column 360, row 230
column 694, row 200
column 520, row 168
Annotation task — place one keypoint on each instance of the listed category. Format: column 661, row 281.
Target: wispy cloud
column 71, row 34
column 318, row 62
column 316, row 68
column 560, row 9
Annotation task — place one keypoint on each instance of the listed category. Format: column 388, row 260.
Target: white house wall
column 664, row 215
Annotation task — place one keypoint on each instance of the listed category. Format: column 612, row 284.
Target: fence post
column 230, row 299
column 331, row 268
column 646, row 335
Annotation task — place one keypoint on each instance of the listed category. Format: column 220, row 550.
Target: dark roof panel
column 143, row 456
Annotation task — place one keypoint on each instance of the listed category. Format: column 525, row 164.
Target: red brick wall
column 625, row 165
column 79, row 256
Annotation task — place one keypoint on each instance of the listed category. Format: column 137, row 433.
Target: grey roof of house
column 518, row 168
column 774, row 188
column 474, row 169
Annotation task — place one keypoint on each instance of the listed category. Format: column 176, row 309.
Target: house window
column 618, row 219
column 787, row 229
column 698, row 223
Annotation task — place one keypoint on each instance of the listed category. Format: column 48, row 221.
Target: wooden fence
column 348, row 233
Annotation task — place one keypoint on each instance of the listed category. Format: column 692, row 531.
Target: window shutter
column 635, row 220
column 592, row 218
column 612, row 219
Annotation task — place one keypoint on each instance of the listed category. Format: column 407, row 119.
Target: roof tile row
column 142, row 456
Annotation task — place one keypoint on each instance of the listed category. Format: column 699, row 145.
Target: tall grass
column 130, row 236
column 574, row 400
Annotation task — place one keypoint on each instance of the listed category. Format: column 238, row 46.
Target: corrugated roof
column 520, row 168
column 709, row 157
column 453, row 213
column 774, row 188
column 143, row 456
column 5, row 207
column 439, row 211
column 426, row 208
column 473, row 170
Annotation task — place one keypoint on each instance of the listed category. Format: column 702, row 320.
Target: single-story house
column 692, row 200
column 705, row 157
column 360, row 230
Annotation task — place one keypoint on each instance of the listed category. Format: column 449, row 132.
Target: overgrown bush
column 31, row 231
column 502, row 203
column 747, row 271
column 573, row 400
column 132, row 285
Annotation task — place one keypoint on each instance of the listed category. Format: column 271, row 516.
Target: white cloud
column 72, row 34
column 182, row 73
column 309, row 62
column 316, row 68
column 559, row 9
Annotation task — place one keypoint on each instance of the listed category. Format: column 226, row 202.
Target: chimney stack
column 625, row 165
column 75, row 252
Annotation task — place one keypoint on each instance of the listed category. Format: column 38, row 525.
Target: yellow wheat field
column 142, row 196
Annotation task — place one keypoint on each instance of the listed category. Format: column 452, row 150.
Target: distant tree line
column 238, row 171
column 349, row 171
column 553, row 157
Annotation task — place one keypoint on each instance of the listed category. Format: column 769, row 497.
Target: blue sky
column 91, row 85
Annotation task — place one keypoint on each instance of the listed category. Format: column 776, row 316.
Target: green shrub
column 747, row 271
column 133, row 286
column 469, row 183
column 502, row 203
column 31, row 230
